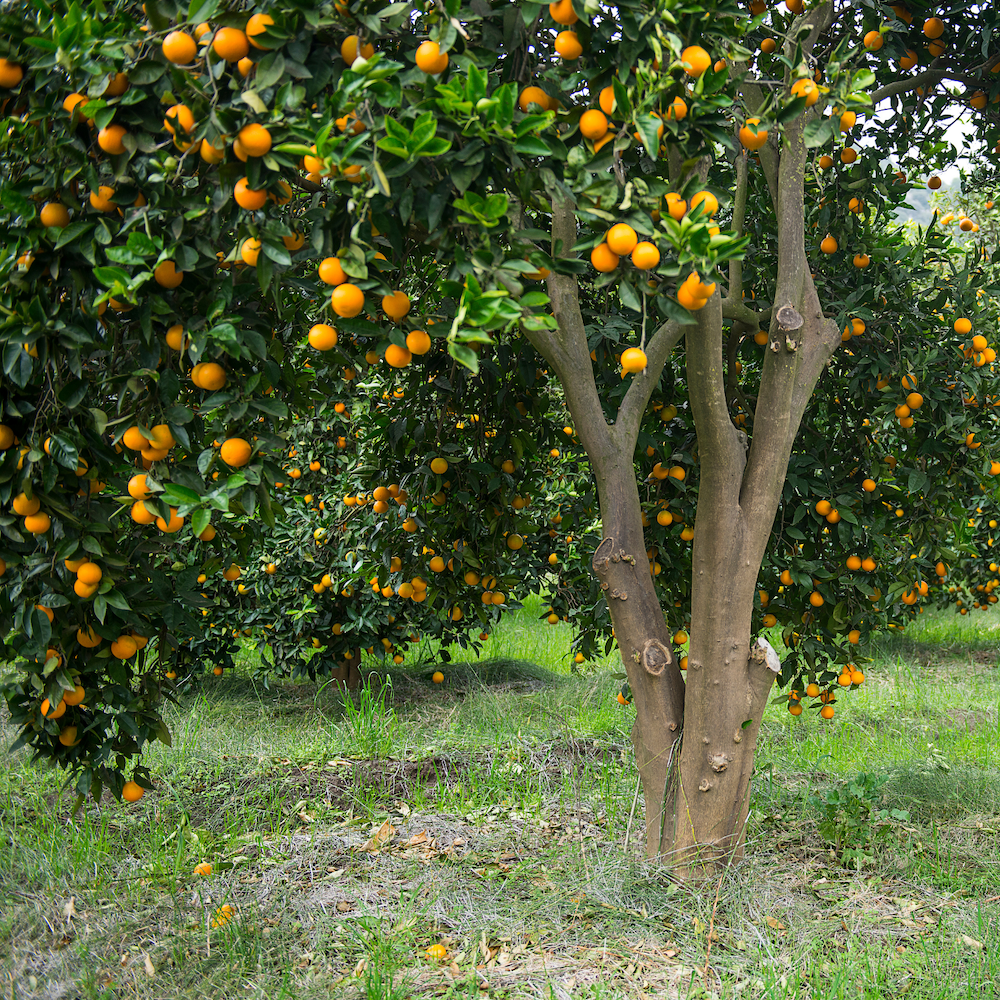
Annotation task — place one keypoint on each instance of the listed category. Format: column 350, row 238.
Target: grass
column 491, row 814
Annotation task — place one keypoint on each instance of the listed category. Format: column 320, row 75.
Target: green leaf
column 532, row 145
column 110, row 276
column 818, row 132
column 200, row 520
column 72, row 232
column 270, row 69
column 464, row 356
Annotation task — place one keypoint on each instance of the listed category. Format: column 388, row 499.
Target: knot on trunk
column 719, row 762
column 789, row 318
column 654, row 657
column 602, row 555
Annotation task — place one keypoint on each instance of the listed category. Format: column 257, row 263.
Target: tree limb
column 626, row 427
column 739, row 215
column 926, row 78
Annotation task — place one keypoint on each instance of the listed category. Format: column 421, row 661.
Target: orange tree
column 652, row 214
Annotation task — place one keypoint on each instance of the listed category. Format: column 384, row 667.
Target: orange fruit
column 533, row 95
column 963, row 326
column 294, row 242
column 123, row 647
column 248, row 197
column 103, row 199
column 331, row 272
column 323, row 337
column 621, row 239
column 806, row 88
column 131, row 792
column 677, row 111
column 933, row 27
column 603, row 258
column 568, row 45
column 179, row 48
column 706, row 199
column 396, row 305
column 562, row 12
column 211, row 153
column 439, row 466
column 351, row 48
column 827, row 711
column 257, row 25
column 633, row 360
column 606, row 99
column 873, row 41
column 751, row 139
column 90, row 573
column 166, row 274
column 10, row 74
column 645, row 256
column 54, row 215
column 235, row 452
column 23, row 506
column 179, row 116
column 828, row 245
column 141, row 514
column 110, row 139
column 37, row 524
column 230, row 44
column 593, row 124
column 418, row 342
column 696, row 60
column 172, row 526
column 397, row 357
column 232, row 573
column 430, row 59
column 250, row 251
column 347, row 300
column 204, row 868
column 255, row 139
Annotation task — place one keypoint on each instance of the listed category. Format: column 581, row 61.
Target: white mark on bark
column 763, row 652
column 705, row 785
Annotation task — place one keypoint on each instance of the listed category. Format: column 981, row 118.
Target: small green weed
column 850, row 817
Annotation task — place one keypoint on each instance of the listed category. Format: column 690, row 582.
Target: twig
column 711, row 926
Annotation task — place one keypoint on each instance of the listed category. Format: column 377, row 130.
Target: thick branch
column 739, row 310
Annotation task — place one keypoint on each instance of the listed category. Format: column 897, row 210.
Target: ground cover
column 487, row 815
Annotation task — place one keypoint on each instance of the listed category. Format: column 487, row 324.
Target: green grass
column 510, row 789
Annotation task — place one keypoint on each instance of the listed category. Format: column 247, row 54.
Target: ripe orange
column 430, row 59
column 50, row 711
column 677, row 111
column 54, row 215
column 204, row 868
column 235, row 452
column 593, row 125
column 257, row 25
column 827, row 711
column 533, row 95
column 250, row 251
column 397, row 357
column 331, row 272
column 232, row 573
column 606, row 99
column 933, row 27
column 708, row 201
column 132, row 792
column 103, row 199
column 751, row 139
column 633, row 360
column 179, row 115
column 396, row 305
column 166, row 274
column 418, row 342
column 828, row 245
column 816, row 599
column 861, row 260
column 123, row 647
column 347, row 300
column 23, row 506
column 10, row 74
column 603, row 258
column 323, row 337
column 211, row 153
column 804, row 87
column 230, row 44
column 255, row 139
column 37, row 524
column 696, row 60
column 848, row 154
column 645, row 256
column 90, row 574
column 179, row 48
column 621, row 239
column 351, row 48
column 248, row 197
column 873, row 41
column 562, row 12
column 439, row 466
column 963, row 326
column 568, row 45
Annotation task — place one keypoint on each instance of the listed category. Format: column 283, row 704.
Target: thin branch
column 626, row 426
column 737, row 309
column 739, row 215
column 927, row 78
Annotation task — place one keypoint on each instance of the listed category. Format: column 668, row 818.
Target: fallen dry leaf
column 775, row 923
column 972, row 942
column 380, row 837
column 69, row 909
column 148, row 962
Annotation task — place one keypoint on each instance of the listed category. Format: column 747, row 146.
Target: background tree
column 182, row 193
